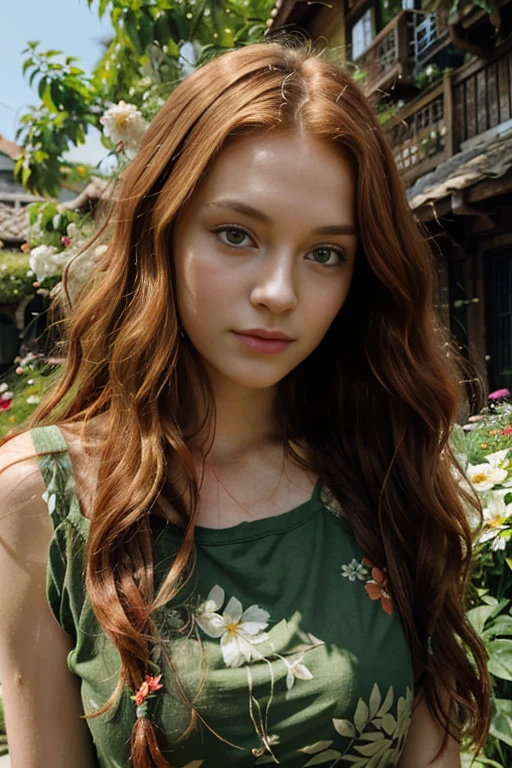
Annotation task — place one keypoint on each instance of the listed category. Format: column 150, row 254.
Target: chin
column 254, row 377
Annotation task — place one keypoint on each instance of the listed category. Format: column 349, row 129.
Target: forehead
column 279, row 170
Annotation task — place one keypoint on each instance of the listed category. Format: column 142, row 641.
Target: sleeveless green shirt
column 285, row 639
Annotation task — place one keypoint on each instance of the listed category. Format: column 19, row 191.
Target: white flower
column 33, row 400
column 238, row 630
column 4, row 387
column 354, row 570
column 72, row 230
column 484, row 476
column 495, row 459
column 124, row 123
column 496, row 514
column 7, row 396
column 296, row 671
column 45, row 261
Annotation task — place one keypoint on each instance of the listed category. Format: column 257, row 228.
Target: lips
column 263, row 333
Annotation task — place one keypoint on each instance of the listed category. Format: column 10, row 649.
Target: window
column 362, row 34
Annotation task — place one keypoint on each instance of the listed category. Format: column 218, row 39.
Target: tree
column 155, row 44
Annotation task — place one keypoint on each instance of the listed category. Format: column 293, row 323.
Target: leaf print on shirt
column 377, row 737
column 239, row 630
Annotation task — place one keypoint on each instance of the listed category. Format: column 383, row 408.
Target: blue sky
column 66, row 25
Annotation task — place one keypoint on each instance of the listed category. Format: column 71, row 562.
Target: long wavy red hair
column 374, row 403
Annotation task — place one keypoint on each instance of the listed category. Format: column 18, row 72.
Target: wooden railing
column 482, row 94
column 420, row 135
column 430, row 129
column 397, row 48
column 390, row 55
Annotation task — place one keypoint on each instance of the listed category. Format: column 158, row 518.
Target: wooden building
column 446, row 82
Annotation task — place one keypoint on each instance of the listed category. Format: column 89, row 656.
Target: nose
column 275, row 284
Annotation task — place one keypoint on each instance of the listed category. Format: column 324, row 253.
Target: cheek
column 203, row 288
column 324, row 307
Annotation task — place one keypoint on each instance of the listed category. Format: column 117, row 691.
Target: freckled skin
column 276, row 280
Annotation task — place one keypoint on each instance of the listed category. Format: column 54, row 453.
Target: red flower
column 141, row 694
column 5, row 404
column 66, row 240
column 154, row 682
column 507, row 431
column 377, row 586
column 150, row 684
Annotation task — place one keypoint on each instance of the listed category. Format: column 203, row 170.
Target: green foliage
column 142, row 64
column 15, row 282
column 35, row 380
column 50, row 222
column 430, row 75
column 478, row 443
column 68, row 106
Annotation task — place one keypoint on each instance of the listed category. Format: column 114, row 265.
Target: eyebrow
column 254, row 213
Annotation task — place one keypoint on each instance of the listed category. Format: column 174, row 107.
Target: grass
column 41, row 380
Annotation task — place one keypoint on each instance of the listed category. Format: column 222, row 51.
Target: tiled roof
column 489, row 159
column 14, row 224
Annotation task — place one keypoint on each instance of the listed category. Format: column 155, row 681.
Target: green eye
column 234, row 236
column 329, row 257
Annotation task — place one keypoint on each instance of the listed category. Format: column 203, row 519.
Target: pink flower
column 507, row 431
column 499, row 393
column 19, row 370
column 66, row 240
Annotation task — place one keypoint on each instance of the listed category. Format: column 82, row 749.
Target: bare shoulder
column 42, row 729
column 21, row 483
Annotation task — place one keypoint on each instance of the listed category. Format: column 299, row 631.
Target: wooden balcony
column 420, row 134
column 468, row 103
column 482, row 94
column 389, row 57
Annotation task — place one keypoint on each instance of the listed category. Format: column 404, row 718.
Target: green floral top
column 285, row 640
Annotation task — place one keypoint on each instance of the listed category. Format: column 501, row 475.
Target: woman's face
column 266, row 245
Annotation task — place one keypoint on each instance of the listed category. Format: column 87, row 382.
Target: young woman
column 240, row 538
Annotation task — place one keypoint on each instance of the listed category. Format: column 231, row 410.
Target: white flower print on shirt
column 354, row 570
column 296, row 671
column 239, row 630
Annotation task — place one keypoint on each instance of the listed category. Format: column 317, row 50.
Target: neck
column 245, row 422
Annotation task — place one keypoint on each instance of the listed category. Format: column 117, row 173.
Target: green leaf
column 25, row 176
column 388, row 701
column 501, row 720
column 319, row 746
column 323, row 757
column 48, row 101
column 361, row 715
column 33, row 74
column 375, row 701
column 500, row 658
column 373, row 747
column 344, row 728
column 501, row 625
column 478, row 616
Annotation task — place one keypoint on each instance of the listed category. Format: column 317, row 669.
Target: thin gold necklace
column 219, row 482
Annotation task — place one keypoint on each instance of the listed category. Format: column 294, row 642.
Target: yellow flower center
column 121, row 121
column 496, row 521
column 232, row 628
column 480, row 478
